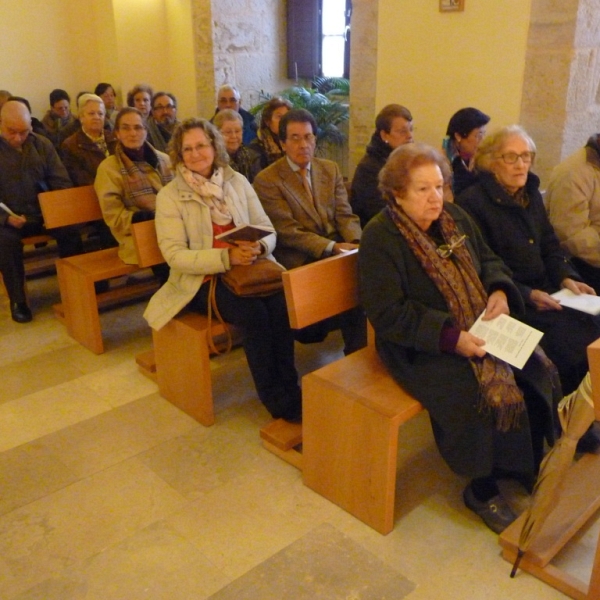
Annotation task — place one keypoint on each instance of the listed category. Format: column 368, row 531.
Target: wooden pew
column 352, row 408
column 180, row 357
column 77, row 274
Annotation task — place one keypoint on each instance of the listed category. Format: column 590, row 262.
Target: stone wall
column 242, row 43
column 363, row 77
column 561, row 95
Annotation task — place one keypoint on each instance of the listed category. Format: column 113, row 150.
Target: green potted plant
column 323, row 102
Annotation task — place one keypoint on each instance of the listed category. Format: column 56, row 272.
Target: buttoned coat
column 185, row 236
column 82, row 157
column 304, row 231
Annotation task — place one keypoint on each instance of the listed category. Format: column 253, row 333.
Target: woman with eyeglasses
column 206, row 198
column 242, row 158
column 507, row 205
column 127, row 182
column 426, row 275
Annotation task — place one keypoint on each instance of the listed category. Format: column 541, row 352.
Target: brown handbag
column 261, row 278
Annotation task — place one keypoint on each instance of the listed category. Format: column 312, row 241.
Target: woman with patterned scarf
column 208, row 197
column 267, row 143
column 128, row 181
column 425, row 276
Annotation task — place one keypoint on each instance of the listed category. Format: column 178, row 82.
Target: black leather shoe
column 495, row 513
column 20, row 312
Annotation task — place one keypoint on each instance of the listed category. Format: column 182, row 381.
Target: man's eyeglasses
column 446, row 250
column 309, row 138
column 161, row 107
column 510, row 158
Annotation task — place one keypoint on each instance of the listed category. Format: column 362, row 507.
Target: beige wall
column 436, row 63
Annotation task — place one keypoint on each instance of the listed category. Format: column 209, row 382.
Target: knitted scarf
column 456, row 279
column 136, row 182
column 211, row 191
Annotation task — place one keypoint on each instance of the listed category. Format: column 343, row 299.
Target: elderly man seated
column 306, row 200
column 229, row 97
column 59, row 121
column 29, row 164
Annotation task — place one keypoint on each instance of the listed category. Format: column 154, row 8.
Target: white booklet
column 584, row 302
column 507, row 338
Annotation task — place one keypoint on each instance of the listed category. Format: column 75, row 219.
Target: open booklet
column 245, row 233
column 583, row 302
column 507, row 339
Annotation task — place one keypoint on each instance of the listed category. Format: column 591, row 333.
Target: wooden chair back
column 146, row 244
column 70, row 207
column 321, row 289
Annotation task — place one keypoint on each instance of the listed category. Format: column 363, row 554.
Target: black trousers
column 11, row 252
column 268, row 342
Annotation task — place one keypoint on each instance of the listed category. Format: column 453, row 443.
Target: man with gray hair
column 29, row 164
column 229, row 97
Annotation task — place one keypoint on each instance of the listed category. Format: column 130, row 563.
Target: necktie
column 306, row 183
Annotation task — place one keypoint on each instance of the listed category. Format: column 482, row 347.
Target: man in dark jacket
column 393, row 128
column 29, row 164
column 229, row 97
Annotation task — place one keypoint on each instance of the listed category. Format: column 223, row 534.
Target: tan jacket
column 117, row 207
column 185, row 237
column 303, row 231
column 573, row 201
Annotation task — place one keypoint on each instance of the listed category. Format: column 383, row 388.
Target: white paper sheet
column 583, row 302
column 507, row 338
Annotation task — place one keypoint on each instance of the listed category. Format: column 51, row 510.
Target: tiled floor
column 109, row 492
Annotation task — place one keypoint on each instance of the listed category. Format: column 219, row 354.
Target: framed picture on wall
column 452, row 5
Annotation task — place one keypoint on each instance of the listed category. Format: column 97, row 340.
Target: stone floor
column 109, row 492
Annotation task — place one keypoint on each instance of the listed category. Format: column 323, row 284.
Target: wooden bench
column 77, row 274
column 180, row 358
column 352, row 408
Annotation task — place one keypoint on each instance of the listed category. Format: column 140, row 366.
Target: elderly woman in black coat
column 425, row 276
column 507, row 205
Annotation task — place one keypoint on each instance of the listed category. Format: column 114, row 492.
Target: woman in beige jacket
column 206, row 198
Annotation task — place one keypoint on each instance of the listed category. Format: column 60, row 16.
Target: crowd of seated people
column 197, row 179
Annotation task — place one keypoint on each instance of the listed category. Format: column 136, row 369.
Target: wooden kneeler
column 578, row 503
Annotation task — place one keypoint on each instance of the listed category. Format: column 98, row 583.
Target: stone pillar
column 560, row 106
column 203, row 51
column 363, row 77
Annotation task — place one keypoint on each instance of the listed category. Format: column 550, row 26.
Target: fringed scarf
column 459, row 284
column 136, row 182
column 211, row 191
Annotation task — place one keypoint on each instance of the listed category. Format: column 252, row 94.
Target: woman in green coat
column 425, row 276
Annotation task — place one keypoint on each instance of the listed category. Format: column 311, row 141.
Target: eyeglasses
column 166, row 107
column 510, row 158
column 231, row 132
column 136, row 128
column 196, row 148
column 446, row 250
column 309, row 138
